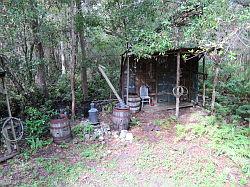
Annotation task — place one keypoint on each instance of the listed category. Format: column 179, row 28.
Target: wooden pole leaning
column 110, row 84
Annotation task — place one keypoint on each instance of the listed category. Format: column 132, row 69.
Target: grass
column 172, row 163
column 226, row 139
column 165, row 123
column 56, row 170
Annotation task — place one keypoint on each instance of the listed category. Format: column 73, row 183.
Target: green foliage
column 109, row 107
column 81, row 129
column 60, row 171
column 244, row 112
column 232, row 97
column 88, row 128
column 37, row 126
column 98, row 87
column 134, row 121
column 181, row 131
column 78, row 131
column 166, row 123
column 88, row 153
column 36, row 143
column 227, row 139
column 91, row 152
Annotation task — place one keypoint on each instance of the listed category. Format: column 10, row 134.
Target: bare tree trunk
column 84, row 78
column 73, row 61
column 41, row 72
column 204, row 85
column 63, row 69
column 215, row 82
column 40, row 79
column 84, row 81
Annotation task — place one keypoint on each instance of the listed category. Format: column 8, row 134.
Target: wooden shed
column 161, row 73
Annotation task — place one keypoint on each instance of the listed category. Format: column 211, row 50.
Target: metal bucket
column 60, row 130
column 121, row 118
column 134, row 103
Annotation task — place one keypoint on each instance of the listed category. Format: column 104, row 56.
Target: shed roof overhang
column 191, row 51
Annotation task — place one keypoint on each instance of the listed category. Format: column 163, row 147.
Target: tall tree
column 41, row 70
column 73, row 59
column 83, row 67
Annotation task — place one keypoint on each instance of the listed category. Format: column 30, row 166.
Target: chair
column 144, row 95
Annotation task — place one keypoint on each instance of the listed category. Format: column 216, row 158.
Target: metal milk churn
column 93, row 114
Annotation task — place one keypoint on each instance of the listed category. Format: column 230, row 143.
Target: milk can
column 93, row 114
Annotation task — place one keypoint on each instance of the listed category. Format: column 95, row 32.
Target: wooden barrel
column 134, row 103
column 121, row 118
column 60, row 130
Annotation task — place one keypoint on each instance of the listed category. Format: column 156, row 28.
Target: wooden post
column 110, row 84
column 8, row 144
column 204, row 85
column 215, row 82
column 177, row 84
column 127, row 78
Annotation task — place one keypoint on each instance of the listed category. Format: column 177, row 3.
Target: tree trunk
column 73, row 61
column 84, row 79
column 41, row 71
column 215, row 82
column 63, row 69
column 40, row 79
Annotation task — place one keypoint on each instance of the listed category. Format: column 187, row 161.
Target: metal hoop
column 185, row 92
column 5, row 124
column 182, row 91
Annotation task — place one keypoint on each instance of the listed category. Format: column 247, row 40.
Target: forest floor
column 161, row 154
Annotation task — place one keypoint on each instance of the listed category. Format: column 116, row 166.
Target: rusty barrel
column 134, row 103
column 121, row 118
column 60, row 130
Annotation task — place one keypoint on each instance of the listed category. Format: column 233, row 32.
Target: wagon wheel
column 12, row 129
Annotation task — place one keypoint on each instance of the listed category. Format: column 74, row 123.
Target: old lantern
column 93, row 114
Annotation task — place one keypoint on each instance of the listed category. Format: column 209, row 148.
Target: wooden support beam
column 204, row 85
column 178, row 84
column 127, row 79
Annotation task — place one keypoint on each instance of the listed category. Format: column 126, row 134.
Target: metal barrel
column 60, row 130
column 134, row 103
column 121, row 118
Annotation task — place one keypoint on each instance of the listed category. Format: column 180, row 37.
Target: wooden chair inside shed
column 144, row 95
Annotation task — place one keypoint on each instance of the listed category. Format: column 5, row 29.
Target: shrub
column 37, row 126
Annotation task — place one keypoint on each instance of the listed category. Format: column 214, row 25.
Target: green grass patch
column 165, row 123
column 92, row 152
column 228, row 139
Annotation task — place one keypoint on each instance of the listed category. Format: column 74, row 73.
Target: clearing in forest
column 191, row 152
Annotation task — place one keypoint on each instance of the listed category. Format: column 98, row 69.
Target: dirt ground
column 155, row 157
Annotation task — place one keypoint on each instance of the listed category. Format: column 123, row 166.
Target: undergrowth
column 166, row 123
column 227, row 139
